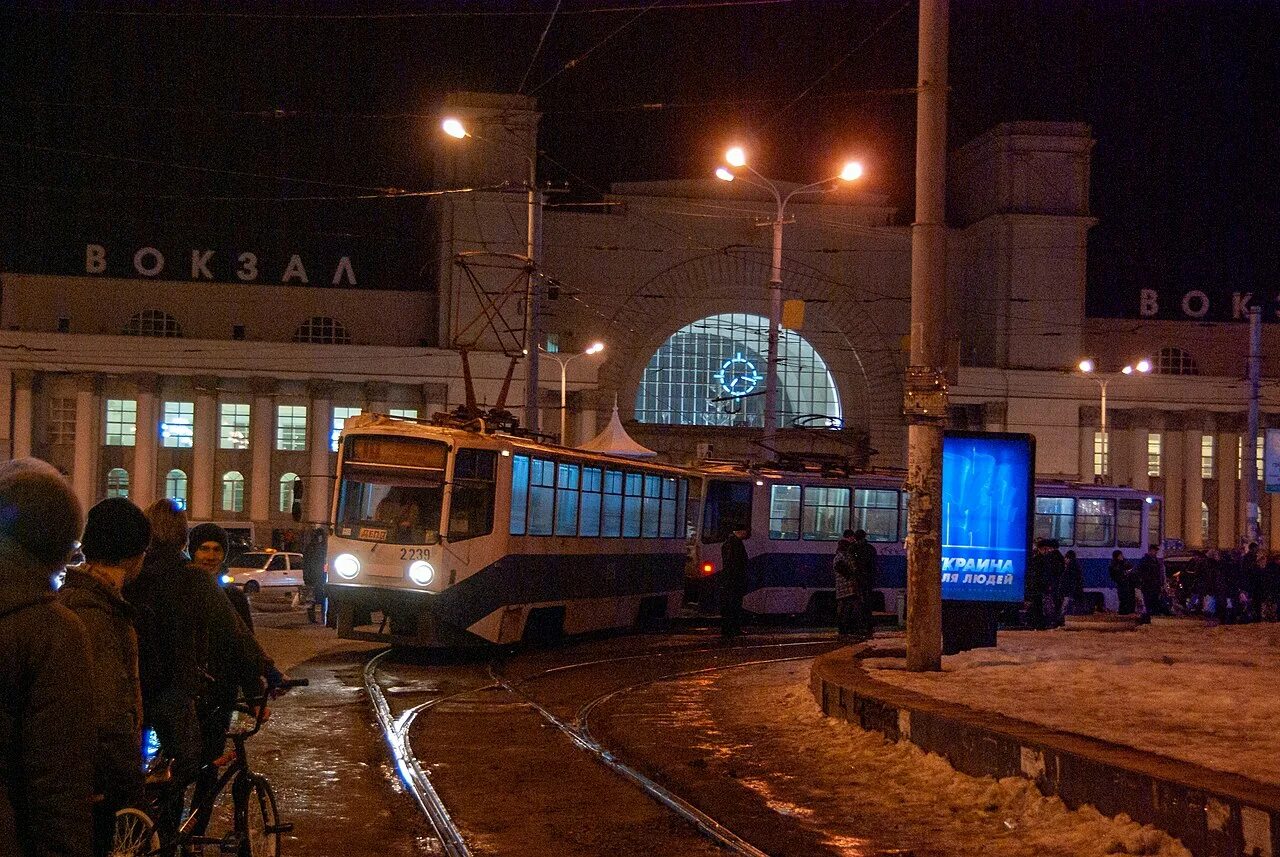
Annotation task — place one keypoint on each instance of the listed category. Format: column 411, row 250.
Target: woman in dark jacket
column 1121, row 573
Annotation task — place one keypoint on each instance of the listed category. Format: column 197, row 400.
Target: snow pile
column 1206, row 695
column 867, row 796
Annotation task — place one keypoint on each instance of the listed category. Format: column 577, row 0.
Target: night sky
column 105, row 113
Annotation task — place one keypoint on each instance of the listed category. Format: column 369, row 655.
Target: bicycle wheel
column 260, row 826
column 135, row 834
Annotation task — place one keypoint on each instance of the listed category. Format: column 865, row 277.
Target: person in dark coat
column 313, row 574
column 1251, row 582
column 46, row 699
column 207, row 546
column 1120, row 572
column 115, row 539
column 848, row 610
column 1044, row 572
column 865, row 560
column 733, row 583
column 1150, row 575
column 1073, row 595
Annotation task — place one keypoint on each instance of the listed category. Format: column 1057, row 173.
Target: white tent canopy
column 614, row 440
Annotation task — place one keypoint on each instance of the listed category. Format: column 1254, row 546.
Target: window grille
column 322, row 330
column 153, row 322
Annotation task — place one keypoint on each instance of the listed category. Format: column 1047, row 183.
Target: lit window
column 153, row 322
column 62, row 419
column 1175, row 361
column 122, row 422
column 286, row 491
column 340, row 417
column 825, row 513
column 1056, row 519
column 1206, row 456
column 233, row 491
column 1204, row 524
column 711, row 373
column 876, row 511
column 404, row 413
column 175, row 487
column 117, row 482
column 1100, row 443
column 233, row 426
column 178, row 427
column 291, row 428
column 322, row 330
column 784, row 512
column 1153, row 453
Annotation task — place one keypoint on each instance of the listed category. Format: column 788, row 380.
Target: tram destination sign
column 988, row 488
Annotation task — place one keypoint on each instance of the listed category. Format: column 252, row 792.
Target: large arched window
column 233, row 491
column 175, row 487
column 153, row 322
column 712, row 373
column 286, row 491
column 117, row 482
column 1176, row 361
column 322, row 330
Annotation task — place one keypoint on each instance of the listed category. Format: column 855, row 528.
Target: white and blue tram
column 458, row 536
column 794, row 520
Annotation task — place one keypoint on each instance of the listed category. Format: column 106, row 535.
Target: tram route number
column 414, row 553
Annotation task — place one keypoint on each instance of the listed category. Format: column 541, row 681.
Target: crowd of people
column 140, row 637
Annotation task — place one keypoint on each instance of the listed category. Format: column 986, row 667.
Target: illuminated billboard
column 987, row 495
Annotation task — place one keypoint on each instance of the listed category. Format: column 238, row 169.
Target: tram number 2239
column 414, row 553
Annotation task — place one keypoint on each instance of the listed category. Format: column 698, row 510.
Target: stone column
column 1193, row 490
column 1086, row 452
column 1273, row 504
column 1226, row 460
column 204, row 443
column 142, row 482
column 318, row 488
column 1174, row 468
column 262, row 420
column 1121, row 444
column 23, row 410
column 1137, row 450
column 435, row 399
column 84, row 467
column 375, row 398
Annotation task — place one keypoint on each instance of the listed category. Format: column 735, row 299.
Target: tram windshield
column 387, row 505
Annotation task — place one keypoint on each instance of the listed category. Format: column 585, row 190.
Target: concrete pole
column 1249, row 471
column 775, row 319
column 532, row 319
column 925, row 386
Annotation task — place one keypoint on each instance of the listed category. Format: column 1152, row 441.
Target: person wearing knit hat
column 115, row 540
column 207, row 546
column 46, row 771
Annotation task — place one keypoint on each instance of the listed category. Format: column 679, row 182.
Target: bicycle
column 254, row 824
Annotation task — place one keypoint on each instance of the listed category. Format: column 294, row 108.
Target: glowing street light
column 454, row 128
column 564, row 361
column 1089, row 367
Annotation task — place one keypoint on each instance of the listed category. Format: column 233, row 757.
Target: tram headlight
column 346, row 565
column 421, row 572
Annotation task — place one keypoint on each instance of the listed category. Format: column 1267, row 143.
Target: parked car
column 258, row 570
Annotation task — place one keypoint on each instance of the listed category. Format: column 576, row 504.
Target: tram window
column 728, row 507
column 684, row 513
column 1056, row 519
column 825, row 514
column 542, row 480
column 904, row 503
column 1155, row 521
column 471, row 503
column 611, row 518
column 652, row 505
column 1129, row 524
column 667, row 529
column 631, row 505
column 876, row 511
column 1095, row 522
column 567, row 500
column 519, row 493
column 784, row 512
column 589, row 520
column 392, row 506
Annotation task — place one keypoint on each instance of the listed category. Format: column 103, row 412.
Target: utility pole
column 532, row 318
column 1250, row 464
column 925, row 402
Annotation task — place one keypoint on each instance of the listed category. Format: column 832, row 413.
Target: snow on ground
column 867, row 795
column 1200, row 694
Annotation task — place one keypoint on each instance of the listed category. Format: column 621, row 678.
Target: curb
column 1214, row 814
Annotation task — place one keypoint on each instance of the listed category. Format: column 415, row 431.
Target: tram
column 794, row 520
column 453, row 535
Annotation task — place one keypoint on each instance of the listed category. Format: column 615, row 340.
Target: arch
column 286, row 491
column 153, row 322
column 117, row 482
column 233, row 491
column 712, row 372
column 322, row 330
column 175, row 487
column 1176, row 361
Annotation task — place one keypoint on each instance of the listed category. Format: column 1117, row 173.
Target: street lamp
column 453, row 127
column 1089, row 367
column 736, row 158
column 564, row 361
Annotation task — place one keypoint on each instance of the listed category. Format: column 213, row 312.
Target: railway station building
column 219, row 369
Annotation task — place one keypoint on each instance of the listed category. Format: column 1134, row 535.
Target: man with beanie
column 207, row 546
column 46, row 707
column 115, row 539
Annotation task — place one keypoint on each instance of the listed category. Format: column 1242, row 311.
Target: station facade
column 221, row 375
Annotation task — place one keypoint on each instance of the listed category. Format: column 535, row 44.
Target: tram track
column 575, row 726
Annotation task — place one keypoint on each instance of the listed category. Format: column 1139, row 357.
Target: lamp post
column 532, row 330
column 1089, row 367
column 564, row 361
column 736, row 158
